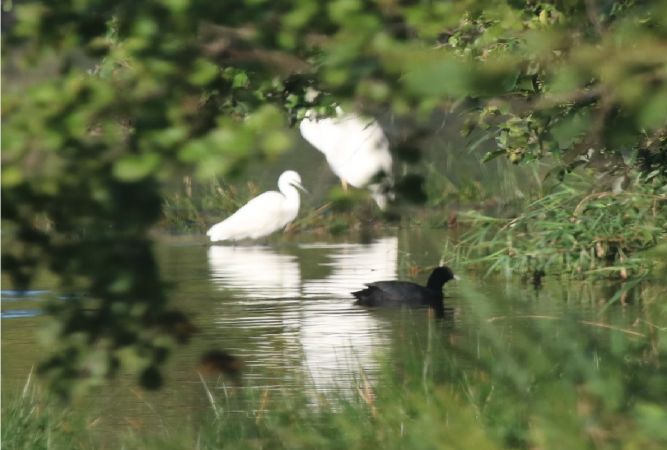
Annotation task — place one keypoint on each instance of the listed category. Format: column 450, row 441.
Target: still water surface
column 286, row 311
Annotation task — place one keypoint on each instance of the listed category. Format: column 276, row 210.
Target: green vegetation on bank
column 577, row 229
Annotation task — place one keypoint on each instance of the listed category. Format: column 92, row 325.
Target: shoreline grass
column 575, row 230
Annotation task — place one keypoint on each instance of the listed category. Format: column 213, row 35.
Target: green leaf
column 567, row 79
column 570, row 128
column 443, row 77
column 275, row 142
column 203, row 72
column 240, row 80
column 11, row 176
column 654, row 113
column 135, row 167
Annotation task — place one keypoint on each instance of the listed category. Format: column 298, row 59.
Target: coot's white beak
column 457, row 278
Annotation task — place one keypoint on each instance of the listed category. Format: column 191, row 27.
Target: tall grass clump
column 575, row 230
column 194, row 206
column 31, row 421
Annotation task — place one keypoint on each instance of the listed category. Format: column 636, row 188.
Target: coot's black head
column 439, row 277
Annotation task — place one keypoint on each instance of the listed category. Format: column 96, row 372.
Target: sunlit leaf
column 133, row 168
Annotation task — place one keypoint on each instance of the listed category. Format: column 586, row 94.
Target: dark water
column 286, row 311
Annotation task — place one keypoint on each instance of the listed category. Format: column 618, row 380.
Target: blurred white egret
column 356, row 149
column 264, row 214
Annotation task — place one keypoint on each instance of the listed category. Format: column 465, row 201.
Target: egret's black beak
column 299, row 186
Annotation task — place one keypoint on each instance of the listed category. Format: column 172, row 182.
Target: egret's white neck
column 291, row 194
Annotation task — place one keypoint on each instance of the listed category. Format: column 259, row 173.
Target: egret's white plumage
column 356, row 149
column 264, row 214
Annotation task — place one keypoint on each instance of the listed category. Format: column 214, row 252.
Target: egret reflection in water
column 337, row 337
column 353, row 265
column 257, row 271
column 289, row 321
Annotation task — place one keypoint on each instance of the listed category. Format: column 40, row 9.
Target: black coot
column 404, row 293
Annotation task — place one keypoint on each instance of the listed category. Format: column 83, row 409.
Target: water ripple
column 311, row 324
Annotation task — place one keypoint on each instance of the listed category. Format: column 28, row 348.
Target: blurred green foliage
column 113, row 98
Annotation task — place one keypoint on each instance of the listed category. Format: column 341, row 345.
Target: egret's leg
column 343, row 184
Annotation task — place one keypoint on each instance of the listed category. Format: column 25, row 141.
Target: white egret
column 264, row 214
column 356, row 149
